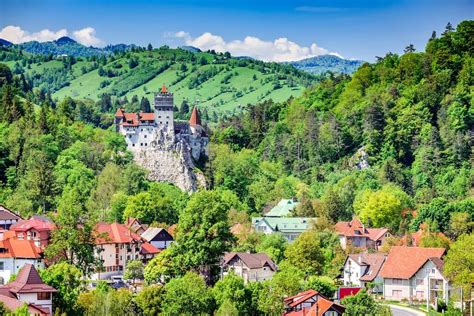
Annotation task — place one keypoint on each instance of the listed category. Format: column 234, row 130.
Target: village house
column 158, row 237
column 28, row 288
column 116, row 245
column 250, row 266
column 311, row 303
column 7, row 218
column 358, row 235
column 135, row 226
column 363, row 268
column 16, row 253
column 289, row 227
column 284, row 208
column 414, row 273
column 37, row 229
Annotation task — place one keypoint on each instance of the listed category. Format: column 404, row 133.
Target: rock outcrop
column 169, row 159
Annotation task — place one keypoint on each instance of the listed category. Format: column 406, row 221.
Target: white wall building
column 360, row 269
column 250, row 266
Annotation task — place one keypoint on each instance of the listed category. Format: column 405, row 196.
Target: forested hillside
column 324, row 63
column 392, row 141
column 221, row 84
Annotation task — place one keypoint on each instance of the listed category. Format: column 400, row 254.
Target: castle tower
column 195, row 121
column 164, row 113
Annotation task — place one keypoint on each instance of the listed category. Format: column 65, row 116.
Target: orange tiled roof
column 322, row 306
column 195, row 119
column 403, row 262
column 32, row 223
column 299, row 298
column 28, row 281
column 16, row 248
column 148, row 248
column 115, row 233
column 120, row 112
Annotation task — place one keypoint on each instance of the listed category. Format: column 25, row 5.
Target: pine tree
column 145, row 105
column 184, row 109
column 7, row 103
column 409, row 49
column 43, row 123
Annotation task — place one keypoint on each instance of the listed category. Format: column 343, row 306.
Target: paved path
column 405, row 311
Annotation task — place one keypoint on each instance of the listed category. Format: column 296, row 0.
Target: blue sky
column 359, row 29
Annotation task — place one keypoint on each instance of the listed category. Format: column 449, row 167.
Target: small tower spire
column 163, row 89
column 195, row 119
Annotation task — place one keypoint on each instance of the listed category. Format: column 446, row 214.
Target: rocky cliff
column 170, row 160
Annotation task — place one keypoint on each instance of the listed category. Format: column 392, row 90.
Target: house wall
column 32, row 298
column 250, row 275
column 6, row 223
column 352, row 272
column 138, row 137
column 115, row 257
column 417, row 286
column 343, row 241
column 14, row 265
column 162, row 244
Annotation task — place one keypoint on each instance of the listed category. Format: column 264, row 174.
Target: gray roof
column 151, row 232
column 251, row 260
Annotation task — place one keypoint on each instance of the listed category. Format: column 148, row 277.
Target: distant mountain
column 191, row 49
column 5, row 42
column 119, row 47
column 64, row 41
column 323, row 63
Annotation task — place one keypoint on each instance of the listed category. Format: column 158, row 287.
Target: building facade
column 143, row 130
column 360, row 269
column 356, row 234
column 252, row 267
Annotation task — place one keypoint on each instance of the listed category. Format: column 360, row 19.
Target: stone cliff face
column 170, row 160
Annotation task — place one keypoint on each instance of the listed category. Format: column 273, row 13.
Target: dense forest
column 391, row 144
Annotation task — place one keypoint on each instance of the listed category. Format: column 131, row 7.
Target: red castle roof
column 163, row 89
column 195, row 119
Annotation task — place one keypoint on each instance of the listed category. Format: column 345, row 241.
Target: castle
column 145, row 131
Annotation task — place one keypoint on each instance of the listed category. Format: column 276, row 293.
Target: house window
column 2, row 265
column 41, row 296
column 397, row 293
column 419, row 282
column 397, row 281
column 433, row 271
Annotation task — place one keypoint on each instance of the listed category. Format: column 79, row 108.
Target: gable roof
column 403, row 262
column 7, row 214
column 373, row 261
column 299, row 298
column 28, row 281
column 355, row 228
column 149, row 249
column 285, row 224
column 322, row 306
column 115, row 233
column 251, row 260
column 283, row 208
column 12, row 303
column 151, row 233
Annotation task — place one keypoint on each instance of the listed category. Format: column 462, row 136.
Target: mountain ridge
column 323, row 63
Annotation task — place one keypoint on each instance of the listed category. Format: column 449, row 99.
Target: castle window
column 145, row 136
column 159, row 116
column 141, row 144
column 167, row 117
column 133, row 145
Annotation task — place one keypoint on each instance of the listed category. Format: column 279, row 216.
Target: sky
column 268, row 30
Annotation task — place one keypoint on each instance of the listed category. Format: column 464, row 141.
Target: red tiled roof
column 19, row 249
column 13, row 303
column 322, row 306
column 6, row 213
column 403, row 262
column 28, row 281
column 355, row 228
column 148, row 248
column 299, row 298
column 163, row 89
column 32, row 223
column 147, row 116
column 195, row 119
column 115, row 233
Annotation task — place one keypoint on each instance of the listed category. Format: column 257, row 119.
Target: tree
column 184, row 108
column 409, row 49
column 231, row 289
column 160, row 267
column 65, row 278
column 203, row 232
column 227, row 309
column 5, row 75
column 149, row 299
column 149, row 47
column 145, row 105
column 187, row 295
column 133, row 270
column 323, row 284
column 273, row 245
column 363, row 304
column 305, row 253
column 382, row 208
column 459, row 262
column 460, row 223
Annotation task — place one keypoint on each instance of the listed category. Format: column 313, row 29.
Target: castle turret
column 164, row 112
column 195, row 121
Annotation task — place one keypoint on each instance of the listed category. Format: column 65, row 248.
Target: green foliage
column 149, row 299
column 306, row 253
column 323, row 284
column 459, row 262
column 133, row 270
column 362, row 304
column 273, row 245
column 187, row 295
column 65, row 278
column 114, row 303
column 231, row 291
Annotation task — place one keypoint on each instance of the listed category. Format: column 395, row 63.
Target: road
column 404, row 311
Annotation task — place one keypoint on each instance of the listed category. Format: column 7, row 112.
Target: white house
column 158, row 237
column 14, row 254
column 249, row 266
column 414, row 273
column 7, row 218
column 358, row 235
column 362, row 268
column 289, row 227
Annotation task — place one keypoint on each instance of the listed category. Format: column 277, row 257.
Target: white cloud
column 87, row 37
column 281, row 49
column 16, row 34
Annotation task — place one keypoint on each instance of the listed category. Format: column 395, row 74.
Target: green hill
column 321, row 64
column 218, row 82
